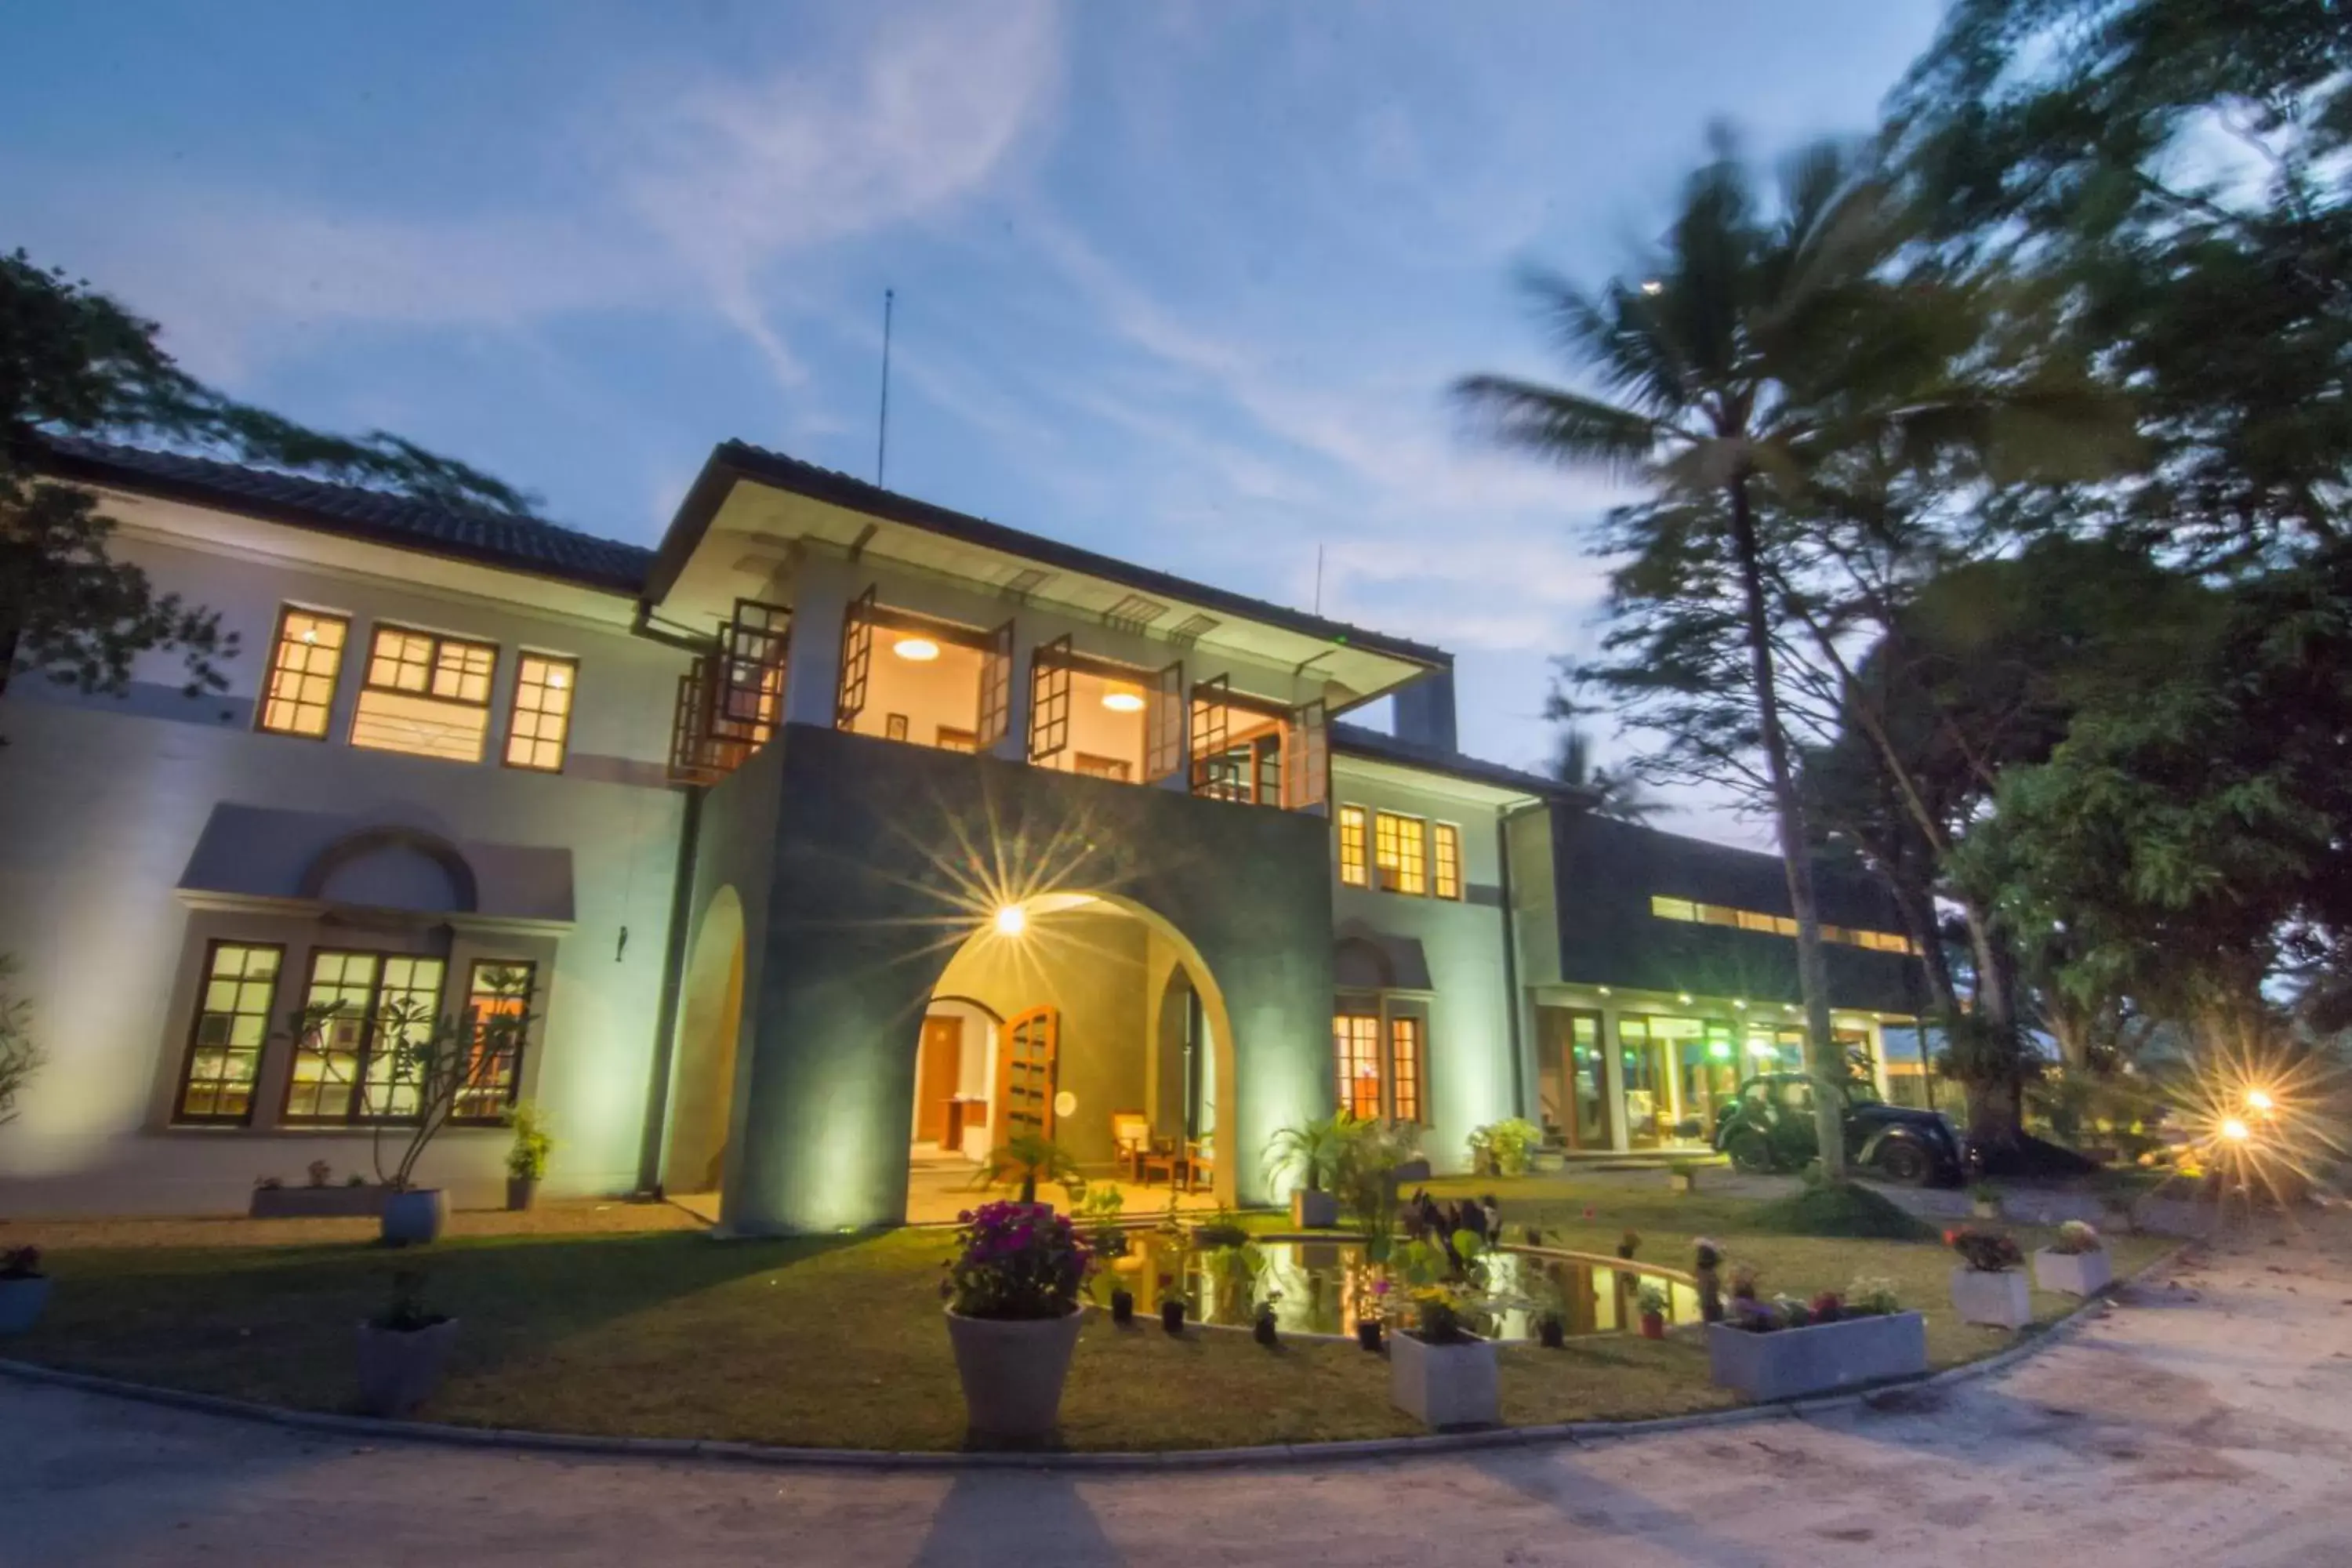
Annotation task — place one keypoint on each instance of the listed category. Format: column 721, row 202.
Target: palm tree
column 1754, row 343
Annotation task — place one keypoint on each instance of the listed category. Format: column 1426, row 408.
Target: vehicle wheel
column 1751, row 1155
column 1900, row 1160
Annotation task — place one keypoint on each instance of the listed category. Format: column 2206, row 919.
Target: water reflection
column 1322, row 1287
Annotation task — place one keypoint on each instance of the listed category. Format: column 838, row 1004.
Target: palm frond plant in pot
column 1311, row 1154
column 527, row 1155
column 1012, row 1314
column 23, row 1289
column 1787, row 1349
column 1028, row 1161
column 403, row 1350
column 1987, row 1288
column 1368, row 1181
column 2077, row 1263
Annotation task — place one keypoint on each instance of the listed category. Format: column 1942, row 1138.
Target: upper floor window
column 1446, row 842
column 231, row 1027
column 304, row 661
column 1400, row 854
column 540, row 724
column 1691, row 910
column 425, row 694
column 1354, row 852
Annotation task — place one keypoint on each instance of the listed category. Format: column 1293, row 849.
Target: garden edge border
column 763, row 1454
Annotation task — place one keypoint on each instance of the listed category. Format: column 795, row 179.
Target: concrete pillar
column 1612, row 1079
column 821, row 594
column 1014, row 747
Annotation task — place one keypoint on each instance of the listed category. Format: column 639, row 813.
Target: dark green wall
column 868, row 896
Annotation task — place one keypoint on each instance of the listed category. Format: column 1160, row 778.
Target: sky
column 1185, row 284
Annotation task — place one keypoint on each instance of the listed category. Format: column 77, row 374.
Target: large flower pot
column 1013, row 1371
column 1790, row 1363
column 400, row 1368
column 2073, row 1273
column 415, row 1216
column 21, row 1301
column 521, row 1193
column 1312, row 1210
column 1445, row 1385
column 1999, row 1299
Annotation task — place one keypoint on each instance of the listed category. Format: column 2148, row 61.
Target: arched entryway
column 1086, row 1018
column 710, row 1015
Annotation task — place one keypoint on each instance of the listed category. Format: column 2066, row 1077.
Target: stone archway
column 710, row 1015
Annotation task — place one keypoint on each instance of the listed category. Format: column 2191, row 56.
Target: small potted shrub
column 1788, row 1349
column 403, row 1349
column 1264, row 1326
column 1439, row 1372
column 1682, row 1176
column 1372, row 1306
column 1012, row 1315
column 1984, row 1201
column 1707, row 1259
column 1629, row 1244
column 2075, row 1264
column 1312, row 1154
column 1987, row 1287
column 1650, row 1300
column 23, row 1289
column 527, row 1155
column 1171, row 1306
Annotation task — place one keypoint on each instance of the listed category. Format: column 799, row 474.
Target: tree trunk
column 1997, row 1101
column 1827, row 1067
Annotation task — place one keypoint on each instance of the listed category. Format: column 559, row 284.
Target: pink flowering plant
column 1018, row 1261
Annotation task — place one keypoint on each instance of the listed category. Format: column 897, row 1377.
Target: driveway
column 2206, row 1418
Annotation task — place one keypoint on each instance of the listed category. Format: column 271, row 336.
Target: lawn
column 837, row 1343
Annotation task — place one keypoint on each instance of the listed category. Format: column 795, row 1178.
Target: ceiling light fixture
column 920, row 650
column 1121, row 697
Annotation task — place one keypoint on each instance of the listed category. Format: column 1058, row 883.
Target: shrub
column 1827, row 1308
column 1312, row 1150
column 407, row 1313
column 1842, row 1209
column 1509, row 1145
column 527, row 1155
column 1015, row 1261
column 1986, row 1252
column 20, row 1263
column 1651, row 1299
column 1871, row 1296
column 2076, row 1237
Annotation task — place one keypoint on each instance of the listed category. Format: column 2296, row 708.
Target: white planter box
column 1998, row 1299
column 1678, row 1182
column 1012, row 1371
column 399, row 1368
column 2073, row 1273
column 1314, row 1210
column 1789, row 1363
column 1445, row 1385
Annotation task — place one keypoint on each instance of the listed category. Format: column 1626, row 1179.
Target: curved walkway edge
column 1256, row 1455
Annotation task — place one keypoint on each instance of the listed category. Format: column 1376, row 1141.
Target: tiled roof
column 497, row 539
column 1354, row 740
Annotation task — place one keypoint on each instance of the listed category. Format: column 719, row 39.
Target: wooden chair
column 1131, row 1137
column 1161, row 1158
column 1199, row 1165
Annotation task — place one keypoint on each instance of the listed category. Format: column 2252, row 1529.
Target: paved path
column 2206, row 1420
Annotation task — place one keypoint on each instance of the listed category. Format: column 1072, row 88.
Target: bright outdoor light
column 1122, row 698
column 2259, row 1099
column 1652, row 286
column 1742, row 1004
column 921, row 650
column 1011, row 921
column 1684, row 999
column 1762, row 1049
column 2235, row 1130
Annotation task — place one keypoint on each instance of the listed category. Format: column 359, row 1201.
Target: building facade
column 824, row 849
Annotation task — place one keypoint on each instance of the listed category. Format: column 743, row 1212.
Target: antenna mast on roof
column 882, row 433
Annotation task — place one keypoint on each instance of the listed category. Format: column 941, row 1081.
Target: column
column 1612, row 1079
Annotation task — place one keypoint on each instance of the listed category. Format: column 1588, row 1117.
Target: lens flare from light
column 2235, row 1131
column 2259, row 1099
column 1011, row 921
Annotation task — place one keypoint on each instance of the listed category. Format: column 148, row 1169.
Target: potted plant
column 1682, row 1176
column 403, row 1349
column 527, row 1155
column 23, row 1289
column 318, row 1170
column 1012, row 1315
column 1707, row 1265
column 1984, row 1201
column 1651, row 1302
column 1263, row 1323
column 1505, row 1148
column 1368, row 1182
column 2075, row 1264
column 1371, row 1283
column 1786, row 1349
column 1986, row 1286
column 1027, row 1161
column 1171, row 1306
column 1311, row 1153
column 1439, row 1372
column 1629, row 1244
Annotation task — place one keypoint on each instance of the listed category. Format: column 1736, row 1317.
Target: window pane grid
column 1352, row 847
column 1447, row 841
column 425, row 694
column 541, row 724
column 1687, row 910
column 1404, row 1063
column 1356, row 1044
column 303, row 664
column 231, row 1025
column 494, row 1069
column 1399, row 851
column 353, row 1047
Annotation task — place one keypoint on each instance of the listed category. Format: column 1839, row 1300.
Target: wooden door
column 1025, row 1053
column 940, row 1075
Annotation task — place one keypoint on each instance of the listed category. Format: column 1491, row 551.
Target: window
column 232, row 1022
column 1352, row 847
column 343, row 1064
column 425, row 694
column 1089, row 766
column 1445, row 840
column 950, row 739
column 498, row 1011
column 541, row 720
column 1667, row 909
column 1356, row 1042
column 1404, row 1066
column 303, row 664
column 1397, row 851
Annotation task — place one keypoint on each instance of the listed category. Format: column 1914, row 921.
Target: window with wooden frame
column 1445, row 859
column 1405, row 1067
column 1355, row 849
column 949, row 739
column 231, row 1027
column 1164, row 724
column 1400, row 852
column 1239, row 749
column 1356, row 1050
column 1087, row 765
column 425, row 694
column 539, row 725
column 756, row 641
column 361, row 1005
column 1049, row 699
column 304, row 661
column 497, row 1014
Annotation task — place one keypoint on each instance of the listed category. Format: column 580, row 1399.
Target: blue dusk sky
column 1180, row 283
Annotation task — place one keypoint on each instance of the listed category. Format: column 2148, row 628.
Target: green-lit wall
column 869, row 891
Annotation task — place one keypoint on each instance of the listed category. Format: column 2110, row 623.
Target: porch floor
column 938, row 1188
